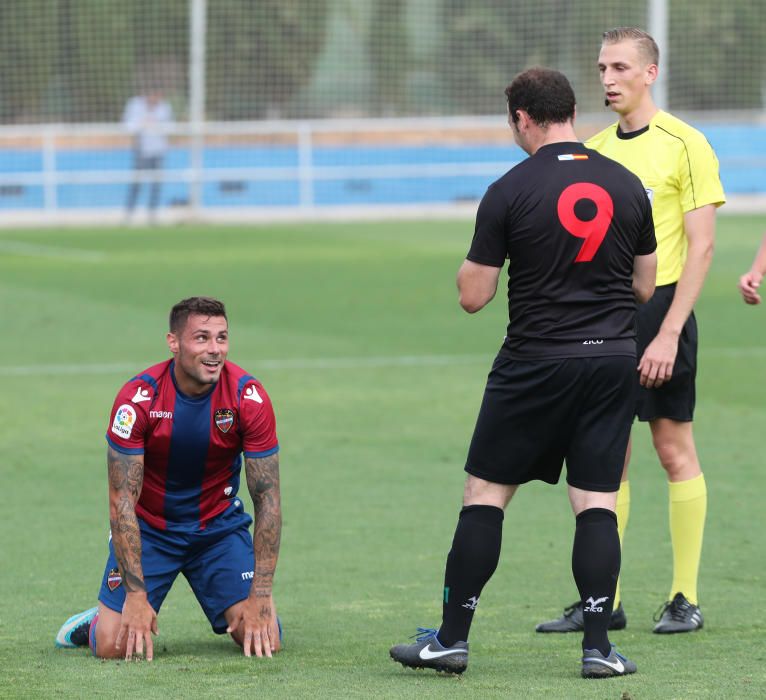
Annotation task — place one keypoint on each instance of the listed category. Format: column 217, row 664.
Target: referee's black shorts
column 536, row 414
column 674, row 399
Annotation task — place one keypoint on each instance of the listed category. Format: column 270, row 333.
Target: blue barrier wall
column 741, row 151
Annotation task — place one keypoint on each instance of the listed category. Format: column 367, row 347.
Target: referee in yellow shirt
column 679, row 171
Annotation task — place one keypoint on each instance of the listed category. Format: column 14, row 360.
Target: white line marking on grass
column 734, row 352
column 284, row 364
column 59, row 370
column 48, row 251
column 318, row 363
column 372, row 362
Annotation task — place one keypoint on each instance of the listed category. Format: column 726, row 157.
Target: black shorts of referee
column 537, row 414
column 676, row 398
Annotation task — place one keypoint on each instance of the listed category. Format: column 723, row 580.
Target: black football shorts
column 537, row 414
column 674, row 399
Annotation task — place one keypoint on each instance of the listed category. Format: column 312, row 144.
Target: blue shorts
column 218, row 563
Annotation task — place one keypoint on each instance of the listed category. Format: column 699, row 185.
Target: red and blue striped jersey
column 192, row 447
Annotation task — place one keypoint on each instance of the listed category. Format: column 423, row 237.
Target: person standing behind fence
column 148, row 117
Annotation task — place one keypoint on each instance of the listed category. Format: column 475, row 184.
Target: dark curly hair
column 543, row 93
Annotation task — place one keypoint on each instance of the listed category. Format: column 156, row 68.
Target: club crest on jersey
column 124, row 420
column 224, row 419
column 113, row 579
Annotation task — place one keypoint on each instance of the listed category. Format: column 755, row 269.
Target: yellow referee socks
column 622, row 511
column 688, row 505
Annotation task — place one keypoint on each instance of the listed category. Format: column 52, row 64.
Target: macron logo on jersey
column 252, row 393
column 573, row 156
column 650, row 195
column 141, row 395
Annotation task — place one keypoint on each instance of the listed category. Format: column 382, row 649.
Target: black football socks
column 470, row 564
column 596, row 567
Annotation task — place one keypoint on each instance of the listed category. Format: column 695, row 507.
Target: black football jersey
column 570, row 222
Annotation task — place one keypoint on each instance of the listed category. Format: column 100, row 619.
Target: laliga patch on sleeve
column 124, row 420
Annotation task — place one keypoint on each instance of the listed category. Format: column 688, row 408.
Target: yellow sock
column 622, row 511
column 688, row 505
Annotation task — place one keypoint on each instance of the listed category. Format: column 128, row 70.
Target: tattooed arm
column 126, row 477
column 255, row 621
column 263, row 484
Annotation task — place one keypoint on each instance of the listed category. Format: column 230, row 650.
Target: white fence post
column 50, row 196
column 198, row 30
column 305, row 168
column 657, row 21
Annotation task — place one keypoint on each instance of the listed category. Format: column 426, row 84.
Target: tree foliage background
column 79, row 60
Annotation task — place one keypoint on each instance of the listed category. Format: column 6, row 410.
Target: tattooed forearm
column 126, row 477
column 263, row 483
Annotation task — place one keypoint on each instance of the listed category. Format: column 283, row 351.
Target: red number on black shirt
column 592, row 231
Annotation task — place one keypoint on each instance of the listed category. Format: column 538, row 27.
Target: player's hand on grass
column 139, row 621
column 256, row 620
column 748, row 287
column 656, row 365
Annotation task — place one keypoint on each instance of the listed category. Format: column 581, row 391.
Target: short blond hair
column 647, row 46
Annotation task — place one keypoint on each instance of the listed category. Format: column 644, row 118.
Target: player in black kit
column 576, row 229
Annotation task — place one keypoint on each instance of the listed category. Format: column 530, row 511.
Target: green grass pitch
column 376, row 375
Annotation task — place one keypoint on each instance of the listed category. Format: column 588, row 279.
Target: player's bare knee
column 678, row 459
column 108, row 651
column 107, row 630
column 480, row 492
column 671, row 458
column 668, row 453
column 106, row 644
column 674, row 443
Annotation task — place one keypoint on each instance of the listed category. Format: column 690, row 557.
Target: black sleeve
column 647, row 243
column 489, row 245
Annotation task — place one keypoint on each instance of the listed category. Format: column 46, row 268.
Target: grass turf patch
column 376, row 376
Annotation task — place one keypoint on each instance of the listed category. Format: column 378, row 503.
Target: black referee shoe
column 572, row 620
column 678, row 615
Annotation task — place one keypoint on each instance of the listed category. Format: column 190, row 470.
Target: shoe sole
column 439, row 668
column 612, row 628
column 686, row 631
column 602, row 672
column 541, row 631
